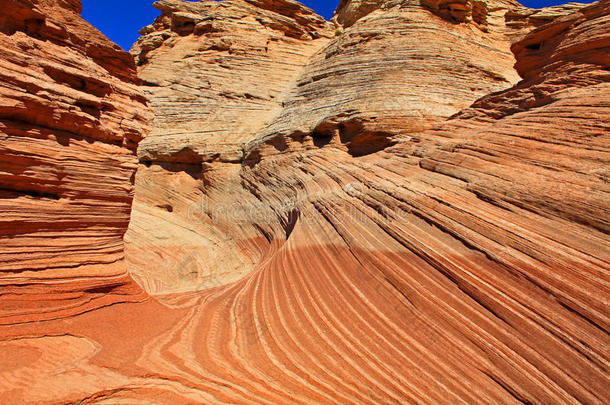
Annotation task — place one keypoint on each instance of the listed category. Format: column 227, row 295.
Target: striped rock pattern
column 223, row 74
column 464, row 261
column 71, row 116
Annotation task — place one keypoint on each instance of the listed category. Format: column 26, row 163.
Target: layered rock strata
column 71, row 117
column 487, row 235
column 463, row 260
column 216, row 73
column 223, row 74
column 405, row 252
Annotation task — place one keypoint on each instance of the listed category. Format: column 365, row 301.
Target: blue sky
column 120, row 20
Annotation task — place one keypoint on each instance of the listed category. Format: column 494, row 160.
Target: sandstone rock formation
column 384, row 249
column 216, row 73
column 236, row 71
column 71, row 117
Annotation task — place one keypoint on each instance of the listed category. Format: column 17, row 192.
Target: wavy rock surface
column 464, row 261
column 223, row 74
column 71, row 116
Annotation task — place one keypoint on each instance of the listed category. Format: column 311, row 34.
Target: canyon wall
column 478, row 248
column 222, row 74
column 215, row 73
column 71, row 117
column 375, row 210
column 436, row 260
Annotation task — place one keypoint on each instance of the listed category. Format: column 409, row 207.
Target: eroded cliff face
column 405, row 249
column 449, row 253
column 71, row 117
column 222, row 75
column 215, row 73
column 487, row 15
column 477, row 247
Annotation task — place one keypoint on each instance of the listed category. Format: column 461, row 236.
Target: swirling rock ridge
column 369, row 213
